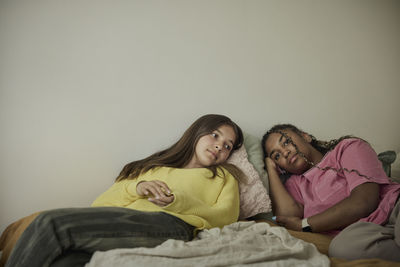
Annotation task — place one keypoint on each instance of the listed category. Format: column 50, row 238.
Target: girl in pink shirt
column 337, row 187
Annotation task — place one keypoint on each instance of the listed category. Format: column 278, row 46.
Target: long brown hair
column 180, row 153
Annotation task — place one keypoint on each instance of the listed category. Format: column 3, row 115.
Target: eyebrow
column 272, row 152
column 223, row 134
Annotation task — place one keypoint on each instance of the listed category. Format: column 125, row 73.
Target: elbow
column 367, row 200
column 367, row 204
column 364, row 210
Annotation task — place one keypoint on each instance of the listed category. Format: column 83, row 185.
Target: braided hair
column 322, row 146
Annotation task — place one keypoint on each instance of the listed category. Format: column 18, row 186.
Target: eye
column 228, row 147
column 276, row 156
column 286, row 142
column 215, row 135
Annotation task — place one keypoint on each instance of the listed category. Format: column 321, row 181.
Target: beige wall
column 86, row 86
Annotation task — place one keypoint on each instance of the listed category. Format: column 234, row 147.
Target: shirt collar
column 311, row 173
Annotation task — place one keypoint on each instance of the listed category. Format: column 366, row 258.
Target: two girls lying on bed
column 169, row 194
column 336, row 185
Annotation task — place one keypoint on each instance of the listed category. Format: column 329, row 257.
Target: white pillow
column 254, row 198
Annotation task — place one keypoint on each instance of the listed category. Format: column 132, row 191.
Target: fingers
column 279, row 220
column 162, row 188
column 282, row 220
column 156, row 188
column 269, row 162
column 159, row 193
column 289, row 222
column 271, row 166
column 162, row 201
column 265, row 162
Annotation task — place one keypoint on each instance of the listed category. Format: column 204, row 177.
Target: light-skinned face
column 284, row 153
column 213, row 148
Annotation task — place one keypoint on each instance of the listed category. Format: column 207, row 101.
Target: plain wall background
column 88, row 86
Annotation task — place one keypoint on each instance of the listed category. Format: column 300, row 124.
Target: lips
column 293, row 159
column 214, row 154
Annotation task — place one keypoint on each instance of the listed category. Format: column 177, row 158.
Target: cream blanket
column 237, row 244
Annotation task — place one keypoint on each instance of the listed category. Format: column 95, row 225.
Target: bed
column 318, row 241
column 252, row 241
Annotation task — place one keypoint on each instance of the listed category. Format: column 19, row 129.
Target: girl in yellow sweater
column 170, row 194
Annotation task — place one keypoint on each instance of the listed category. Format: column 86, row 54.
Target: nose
column 218, row 146
column 286, row 153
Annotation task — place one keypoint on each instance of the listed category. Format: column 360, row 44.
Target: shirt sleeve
column 292, row 186
column 361, row 163
column 224, row 211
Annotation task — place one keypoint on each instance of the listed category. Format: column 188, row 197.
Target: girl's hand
column 271, row 165
column 157, row 192
column 290, row 222
column 163, row 201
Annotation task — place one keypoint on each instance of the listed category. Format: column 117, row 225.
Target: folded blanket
column 241, row 243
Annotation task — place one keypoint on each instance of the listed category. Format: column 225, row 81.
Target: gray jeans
column 68, row 237
column 363, row 240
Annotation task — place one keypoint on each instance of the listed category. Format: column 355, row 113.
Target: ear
column 306, row 137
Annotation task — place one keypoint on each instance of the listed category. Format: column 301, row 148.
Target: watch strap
column 305, row 226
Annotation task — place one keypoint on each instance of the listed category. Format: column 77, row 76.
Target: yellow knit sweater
column 200, row 201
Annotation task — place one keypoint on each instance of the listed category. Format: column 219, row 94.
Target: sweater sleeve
column 224, row 211
column 120, row 194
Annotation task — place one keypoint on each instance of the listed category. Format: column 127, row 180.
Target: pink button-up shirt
column 319, row 190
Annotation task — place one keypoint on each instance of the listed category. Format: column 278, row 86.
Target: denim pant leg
column 72, row 259
column 59, row 231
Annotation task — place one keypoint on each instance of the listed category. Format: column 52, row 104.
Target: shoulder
column 228, row 175
column 352, row 141
column 192, row 172
column 354, row 152
column 353, row 145
column 223, row 172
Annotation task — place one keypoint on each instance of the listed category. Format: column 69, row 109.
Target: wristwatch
column 305, row 227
